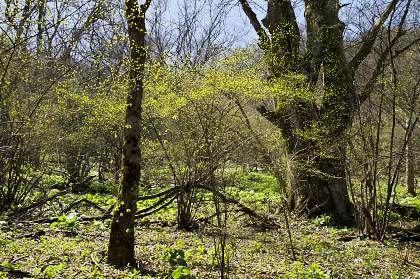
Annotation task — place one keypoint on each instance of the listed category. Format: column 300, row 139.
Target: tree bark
column 121, row 241
column 317, row 185
column 41, row 23
column 314, row 130
column 409, row 167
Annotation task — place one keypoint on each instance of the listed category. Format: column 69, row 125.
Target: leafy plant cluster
column 176, row 258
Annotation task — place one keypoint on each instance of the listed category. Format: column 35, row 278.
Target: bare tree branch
column 91, row 19
column 371, row 37
column 381, row 64
column 264, row 38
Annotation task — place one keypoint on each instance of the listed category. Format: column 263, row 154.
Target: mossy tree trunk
column 121, row 241
column 314, row 128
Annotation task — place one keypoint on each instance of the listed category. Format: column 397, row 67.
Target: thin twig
column 95, row 262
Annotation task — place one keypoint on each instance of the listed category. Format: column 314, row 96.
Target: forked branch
column 371, row 37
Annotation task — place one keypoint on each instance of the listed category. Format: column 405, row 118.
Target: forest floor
column 67, row 247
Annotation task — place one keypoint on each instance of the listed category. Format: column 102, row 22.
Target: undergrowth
column 68, row 247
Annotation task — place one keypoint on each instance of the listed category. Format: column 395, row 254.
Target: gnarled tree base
column 321, row 189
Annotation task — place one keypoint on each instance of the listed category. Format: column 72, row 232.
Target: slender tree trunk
column 41, row 22
column 409, row 168
column 121, row 241
column 4, row 117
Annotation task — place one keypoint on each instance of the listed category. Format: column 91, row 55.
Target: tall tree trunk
column 314, row 130
column 409, row 167
column 4, row 118
column 121, row 241
column 41, row 23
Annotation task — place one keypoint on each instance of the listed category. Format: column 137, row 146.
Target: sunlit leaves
column 241, row 72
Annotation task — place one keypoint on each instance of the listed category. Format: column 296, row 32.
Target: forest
column 209, row 139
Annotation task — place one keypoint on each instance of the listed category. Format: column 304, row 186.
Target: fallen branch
column 157, row 195
column 405, row 234
column 241, row 207
column 55, row 219
column 16, row 272
column 162, row 223
column 36, row 235
column 140, row 214
column 95, row 218
column 95, row 262
column 205, row 219
column 79, row 202
column 18, row 259
column 144, row 212
column 75, row 187
column 39, row 203
column 147, row 213
column 159, row 202
column 412, row 264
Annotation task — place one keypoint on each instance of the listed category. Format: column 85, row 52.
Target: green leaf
column 54, row 224
column 62, row 218
column 8, row 265
column 177, row 273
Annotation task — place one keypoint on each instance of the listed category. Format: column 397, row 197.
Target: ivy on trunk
column 316, row 98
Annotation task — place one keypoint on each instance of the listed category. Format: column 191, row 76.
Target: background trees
column 58, row 75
